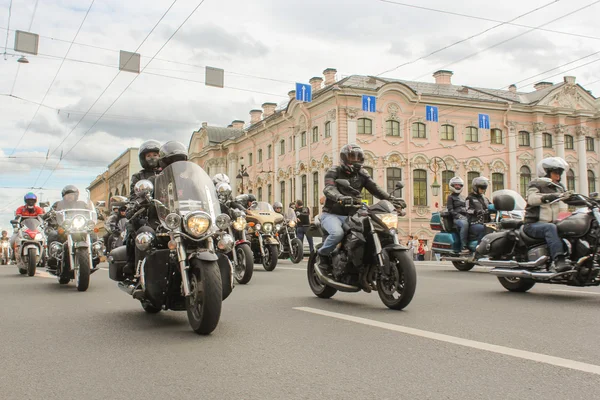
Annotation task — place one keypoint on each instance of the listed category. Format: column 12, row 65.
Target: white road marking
column 292, row 268
column 576, row 291
column 508, row 351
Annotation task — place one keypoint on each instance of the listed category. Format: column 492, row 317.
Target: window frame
column 445, row 133
column 315, row 134
column 470, row 176
column 250, row 159
column 591, row 175
column 446, row 183
column 390, row 124
column 364, row 126
column 522, row 136
column 547, row 140
column 365, row 193
column 315, row 199
column 260, row 193
column 495, row 182
column 420, row 187
column 569, row 142
column 303, row 139
column 260, row 156
column 494, row 136
column 469, row 130
column 282, row 147
column 589, row 140
column 282, row 185
column 327, row 133
column 571, row 180
column 418, row 135
column 390, row 180
column 269, row 152
column 524, row 180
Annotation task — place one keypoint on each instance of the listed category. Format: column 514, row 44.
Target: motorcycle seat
column 511, row 224
column 528, row 240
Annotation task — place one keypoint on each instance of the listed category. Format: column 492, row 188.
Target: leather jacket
column 456, row 205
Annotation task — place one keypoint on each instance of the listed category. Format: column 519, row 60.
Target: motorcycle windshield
column 290, row 215
column 73, row 205
column 31, row 224
column 184, row 187
column 520, row 204
column 262, row 206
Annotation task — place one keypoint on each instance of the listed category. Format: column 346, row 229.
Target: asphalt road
column 462, row 337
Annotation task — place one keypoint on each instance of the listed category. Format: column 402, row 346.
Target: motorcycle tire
column 245, row 268
column 518, row 285
column 270, row 259
column 31, row 262
column 405, row 278
column 82, row 274
column 318, row 288
column 463, row 265
column 204, row 303
column 296, row 251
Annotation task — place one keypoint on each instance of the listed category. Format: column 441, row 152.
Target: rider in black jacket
column 477, row 207
column 456, row 205
column 148, row 156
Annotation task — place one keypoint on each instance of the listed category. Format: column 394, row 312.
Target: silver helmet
column 456, row 184
column 552, row 164
column 481, row 182
column 220, row 178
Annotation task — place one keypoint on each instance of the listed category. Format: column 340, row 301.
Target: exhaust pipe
column 459, row 259
column 330, row 282
column 129, row 289
column 520, row 273
column 486, row 262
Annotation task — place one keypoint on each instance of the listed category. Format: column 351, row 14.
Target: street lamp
column 242, row 173
column 434, row 165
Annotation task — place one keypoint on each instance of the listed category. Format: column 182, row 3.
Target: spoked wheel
column 244, row 268
column 516, row 284
column 270, row 259
column 296, row 251
column 31, row 262
column 82, row 273
column 463, row 265
column 204, row 302
column 397, row 291
column 318, row 288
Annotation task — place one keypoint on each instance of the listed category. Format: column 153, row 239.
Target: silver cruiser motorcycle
column 177, row 259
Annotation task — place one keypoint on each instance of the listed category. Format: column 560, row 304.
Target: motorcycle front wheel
column 245, row 264
column 296, row 251
column 516, row 284
column 31, row 262
column 270, row 259
column 82, row 277
column 205, row 300
column 397, row 291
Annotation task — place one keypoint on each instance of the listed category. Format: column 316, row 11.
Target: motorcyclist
column 278, row 207
column 477, row 207
column 28, row 210
column 148, row 156
column 541, row 211
column 458, row 211
column 112, row 225
column 107, row 235
column 303, row 214
column 335, row 210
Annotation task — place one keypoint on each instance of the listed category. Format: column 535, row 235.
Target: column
column 352, row 129
column 334, row 136
column 232, row 172
column 513, row 166
column 275, row 180
column 582, row 186
column 537, row 145
column 559, row 129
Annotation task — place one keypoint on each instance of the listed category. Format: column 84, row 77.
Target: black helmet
column 145, row 148
column 123, row 208
column 70, row 189
column 171, row 152
column 352, row 157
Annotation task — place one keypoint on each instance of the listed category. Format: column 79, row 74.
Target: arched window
column 393, row 176
column 571, row 180
column 269, row 193
column 123, row 190
column 116, row 192
column 365, row 126
column 524, row 180
column 269, row 152
column 316, row 194
column 420, row 187
column 496, row 136
column 259, row 156
column 418, row 130
column 524, row 139
column 446, row 176
column 303, row 139
column 447, row 132
column 392, row 128
column 365, row 193
column 304, row 189
column 547, row 140
column 591, row 181
column 471, row 134
column 315, row 134
column 260, row 198
column 497, row 181
column 569, row 142
column 282, row 190
column 470, row 176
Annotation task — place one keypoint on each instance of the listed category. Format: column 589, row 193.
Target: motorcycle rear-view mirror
column 399, row 185
column 100, row 203
column 14, row 222
column 44, row 204
column 594, row 195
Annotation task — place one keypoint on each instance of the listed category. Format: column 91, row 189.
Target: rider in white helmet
column 455, row 203
column 541, row 213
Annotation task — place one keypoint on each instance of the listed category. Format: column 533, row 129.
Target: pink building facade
column 286, row 149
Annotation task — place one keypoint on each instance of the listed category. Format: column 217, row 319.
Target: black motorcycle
column 289, row 245
column 521, row 261
column 370, row 252
column 177, row 263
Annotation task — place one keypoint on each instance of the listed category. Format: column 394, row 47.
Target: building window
column 569, row 142
column 393, row 176
column 259, row 155
column 292, row 145
column 269, row 152
column 116, row 192
column 470, row 176
column 446, row 176
column 471, row 134
column 496, row 136
column 365, row 195
column 447, row 132
column 365, row 126
column 316, row 194
column 418, row 130
column 392, row 128
column 282, row 190
column 589, row 143
column 304, row 185
column 292, row 192
column 269, row 193
column 420, row 187
column 249, row 159
column 524, row 139
column 327, row 129
column 571, row 180
column 315, row 134
column 260, row 194
column 547, row 140
column 303, row 139
column 294, row 198
column 591, row 181
column 282, row 147
column 497, row 181
column 524, row 180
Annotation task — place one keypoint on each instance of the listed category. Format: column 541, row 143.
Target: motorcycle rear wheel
column 402, row 282
column 518, row 285
column 318, row 288
column 463, row 265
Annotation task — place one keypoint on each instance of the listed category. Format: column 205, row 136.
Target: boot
column 324, row 263
column 561, row 265
column 465, row 252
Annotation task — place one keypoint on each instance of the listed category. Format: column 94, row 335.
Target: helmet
column 145, row 148
column 123, row 208
column 70, row 189
column 30, row 199
column 456, row 184
column 277, row 205
column 220, row 178
column 353, row 157
column 551, row 164
column 171, row 152
column 117, row 201
column 480, row 182
column 223, row 190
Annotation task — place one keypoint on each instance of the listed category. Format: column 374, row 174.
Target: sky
column 48, row 141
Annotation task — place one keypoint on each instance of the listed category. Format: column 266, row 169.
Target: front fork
column 261, row 245
column 233, row 252
column 183, row 266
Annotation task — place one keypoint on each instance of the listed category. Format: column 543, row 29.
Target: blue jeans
column 332, row 223
column 548, row 232
column 479, row 231
column 301, row 232
column 463, row 226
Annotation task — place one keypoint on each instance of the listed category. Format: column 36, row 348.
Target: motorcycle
column 241, row 256
column 5, row 246
column 447, row 241
column 370, row 252
column 289, row 245
column 30, row 242
column 521, row 261
column 263, row 223
column 177, row 263
column 75, row 251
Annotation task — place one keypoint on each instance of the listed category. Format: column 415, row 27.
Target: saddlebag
column 496, row 244
column 116, row 262
column 158, row 281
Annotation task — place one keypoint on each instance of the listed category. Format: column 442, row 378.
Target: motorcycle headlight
column 173, row 221
column 292, row 224
column 78, row 222
column 144, row 240
column 225, row 243
column 277, row 227
column 268, row 227
column 239, row 224
column 223, row 221
column 197, row 223
column 38, row 236
column 390, row 220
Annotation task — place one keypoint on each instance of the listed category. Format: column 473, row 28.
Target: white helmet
column 220, row 178
column 550, row 164
column 456, row 184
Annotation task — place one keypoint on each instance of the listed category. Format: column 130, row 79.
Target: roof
column 219, row 135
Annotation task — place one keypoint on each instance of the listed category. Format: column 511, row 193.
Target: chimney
column 443, row 77
column 204, row 125
column 542, row 85
column 255, row 116
column 237, row 124
column 268, row 109
column 292, row 94
column 513, row 88
column 569, row 80
column 329, row 75
column 315, row 82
